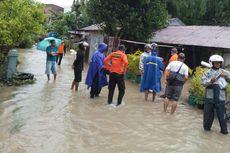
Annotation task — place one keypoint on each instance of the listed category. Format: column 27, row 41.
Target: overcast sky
column 63, row 3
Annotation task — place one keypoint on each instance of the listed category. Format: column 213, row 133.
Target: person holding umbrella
column 51, row 59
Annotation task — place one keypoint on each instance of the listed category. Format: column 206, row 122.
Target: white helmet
column 154, row 45
column 215, row 58
column 148, row 46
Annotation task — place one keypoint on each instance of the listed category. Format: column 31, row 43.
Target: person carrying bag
column 176, row 75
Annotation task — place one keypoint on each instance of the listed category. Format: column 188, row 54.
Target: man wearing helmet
column 151, row 81
column 147, row 52
column 215, row 82
column 154, row 48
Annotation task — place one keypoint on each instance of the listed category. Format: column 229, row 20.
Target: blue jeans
column 51, row 66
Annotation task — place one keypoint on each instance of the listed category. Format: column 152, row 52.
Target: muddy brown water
column 47, row 117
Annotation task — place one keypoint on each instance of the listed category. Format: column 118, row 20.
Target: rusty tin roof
column 207, row 36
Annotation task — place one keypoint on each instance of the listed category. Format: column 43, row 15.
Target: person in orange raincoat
column 116, row 63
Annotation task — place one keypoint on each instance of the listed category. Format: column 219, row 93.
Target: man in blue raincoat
column 151, row 81
column 96, row 76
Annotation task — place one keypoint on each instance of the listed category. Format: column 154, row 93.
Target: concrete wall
column 226, row 56
column 94, row 40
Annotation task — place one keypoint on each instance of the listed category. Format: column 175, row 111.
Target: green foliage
column 133, row 65
column 228, row 87
column 82, row 18
column 133, row 20
column 201, row 12
column 75, row 19
column 3, row 58
column 197, row 89
column 20, row 21
column 62, row 23
column 190, row 71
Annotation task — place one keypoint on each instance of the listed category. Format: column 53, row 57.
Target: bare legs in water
column 174, row 105
column 74, row 84
column 147, row 94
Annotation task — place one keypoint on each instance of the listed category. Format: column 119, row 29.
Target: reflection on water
column 47, row 117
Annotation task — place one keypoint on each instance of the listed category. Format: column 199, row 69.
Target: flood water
column 47, row 117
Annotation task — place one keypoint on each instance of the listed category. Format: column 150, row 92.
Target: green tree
column 201, row 12
column 75, row 19
column 21, row 21
column 133, row 20
column 82, row 17
column 62, row 23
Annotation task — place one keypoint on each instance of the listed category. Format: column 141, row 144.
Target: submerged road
column 47, row 117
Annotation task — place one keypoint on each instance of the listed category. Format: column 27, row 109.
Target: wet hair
column 81, row 46
column 122, row 47
column 52, row 40
column 174, row 50
column 181, row 56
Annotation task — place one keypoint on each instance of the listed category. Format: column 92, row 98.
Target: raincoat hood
column 153, row 53
column 102, row 47
column 96, row 67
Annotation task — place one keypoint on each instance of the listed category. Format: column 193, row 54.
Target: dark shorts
column 173, row 92
column 77, row 75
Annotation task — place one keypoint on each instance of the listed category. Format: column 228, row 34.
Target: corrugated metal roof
column 175, row 22
column 76, row 32
column 94, row 27
column 54, row 6
column 208, row 36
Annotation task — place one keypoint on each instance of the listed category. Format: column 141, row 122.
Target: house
column 51, row 10
column 197, row 42
column 92, row 34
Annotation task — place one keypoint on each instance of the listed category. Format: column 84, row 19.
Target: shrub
column 197, row 89
column 134, row 62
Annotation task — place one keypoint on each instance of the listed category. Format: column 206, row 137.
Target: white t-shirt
column 175, row 65
column 142, row 59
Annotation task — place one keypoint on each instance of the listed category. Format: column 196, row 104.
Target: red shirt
column 118, row 64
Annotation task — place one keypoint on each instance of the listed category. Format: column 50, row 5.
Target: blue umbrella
column 42, row 45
